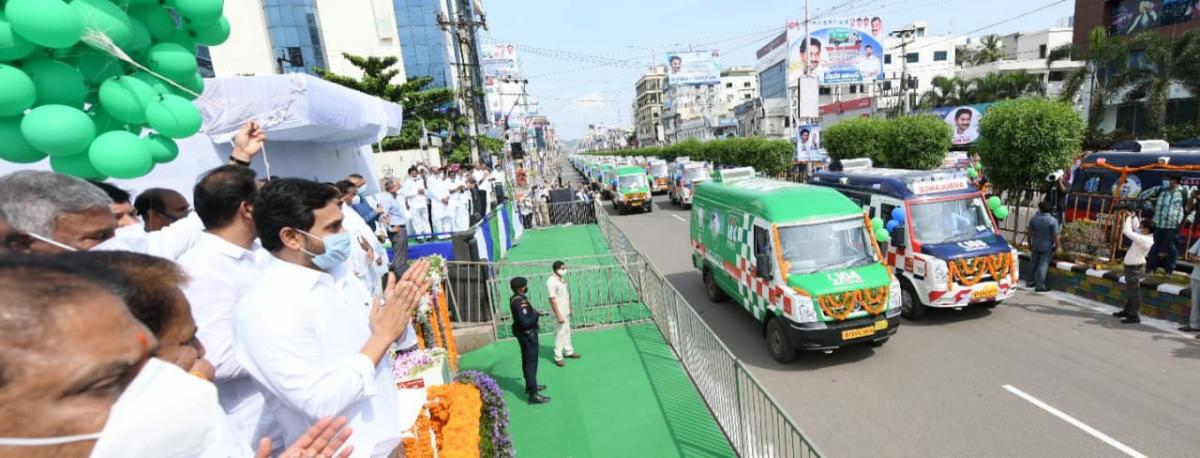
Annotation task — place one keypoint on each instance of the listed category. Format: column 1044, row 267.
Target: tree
column 1023, row 140
column 947, row 91
column 424, row 108
column 1011, row 85
column 991, row 50
column 917, row 142
column 1107, row 60
column 1167, row 62
column 857, row 137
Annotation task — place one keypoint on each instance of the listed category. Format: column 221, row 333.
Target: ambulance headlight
column 938, row 272
column 805, row 310
column 894, row 295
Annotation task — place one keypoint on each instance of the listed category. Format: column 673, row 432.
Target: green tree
column 1104, row 72
column 1023, row 140
column 917, row 142
column 1010, row 85
column 857, row 137
column 946, row 91
column 1167, row 62
column 991, row 50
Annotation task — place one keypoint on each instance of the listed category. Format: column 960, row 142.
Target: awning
column 296, row 107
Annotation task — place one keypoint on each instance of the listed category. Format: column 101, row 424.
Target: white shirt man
column 560, row 304
column 417, row 201
column 460, row 202
column 170, row 242
column 369, row 267
column 439, row 197
column 221, row 274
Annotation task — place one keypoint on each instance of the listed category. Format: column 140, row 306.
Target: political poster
column 1132, row 16
column 689, row 68
column 500, row 60
column 838, row 51
column 808, row 144
column 963, row 121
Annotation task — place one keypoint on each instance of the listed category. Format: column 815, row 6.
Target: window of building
column 1181, row 111
column 1056, row 76
column 853, row 89
column 912, row 57
column 728, row 85
column 1042, row 51
column 939, row 56
column 887, row 58
column 746, row 84
column 747, row 96
column 824, row 91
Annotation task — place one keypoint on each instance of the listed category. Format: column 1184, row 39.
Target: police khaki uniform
column 525, row 327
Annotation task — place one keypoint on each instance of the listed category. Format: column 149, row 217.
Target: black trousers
column 529, row 360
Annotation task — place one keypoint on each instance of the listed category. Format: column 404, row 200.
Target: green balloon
column 876, row 223
column 136, row 3
column 12, row 46
column 1001, row 213
column 210, row 34
column 106, row 123
column 78, row 165
column 158, row 20
column 195, row 84
column 162, row 149
column 994, row 202
column 126, row 98
column 49, row 23
column 95, row 65
column 200, row 10
column 173, row 116
column 183, row 38
column 140, row 39
column 105, row 17
column 158, row 85
column 58, row 130
column 57, row 83
column 17, row 91
column 120, row 154
column 13, row 147
column 172, row 60
column 881, row 235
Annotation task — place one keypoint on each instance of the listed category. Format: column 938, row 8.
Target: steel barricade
column 561, row 214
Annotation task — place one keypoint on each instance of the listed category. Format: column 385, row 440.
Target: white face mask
column 51, row 241
column 356, row 200
column 163, row 412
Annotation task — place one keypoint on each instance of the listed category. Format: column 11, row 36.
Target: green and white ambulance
column 632, row 190
column 804, row 260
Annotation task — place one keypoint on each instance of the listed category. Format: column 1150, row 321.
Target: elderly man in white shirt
column 368, row 260
column 439, row 198
column 224, row 265
column 313, row 337
column 416, row 199
column 460, row 200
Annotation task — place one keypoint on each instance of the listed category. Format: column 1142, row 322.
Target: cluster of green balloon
column 972, row 172
column 998, row 207
column 880, row 232
column 63, row 94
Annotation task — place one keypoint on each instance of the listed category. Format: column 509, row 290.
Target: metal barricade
column 560, row 214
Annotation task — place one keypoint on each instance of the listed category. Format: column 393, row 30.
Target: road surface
column 1039, row 375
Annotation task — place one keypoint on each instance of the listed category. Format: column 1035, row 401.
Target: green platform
column 627, row 397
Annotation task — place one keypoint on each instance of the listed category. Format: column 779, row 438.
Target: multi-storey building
column 648, row 106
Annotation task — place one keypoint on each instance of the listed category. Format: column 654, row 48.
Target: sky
column 583, row 57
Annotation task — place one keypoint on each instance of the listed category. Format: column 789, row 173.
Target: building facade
column 1027, row 51
column 648, row 106
column 426, row 48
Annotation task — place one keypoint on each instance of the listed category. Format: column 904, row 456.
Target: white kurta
column 368, row 269
column 460, row 204
column 300, row 334
column 439, row 198
column 221, row 275
column 170, row 242
column 417, row 199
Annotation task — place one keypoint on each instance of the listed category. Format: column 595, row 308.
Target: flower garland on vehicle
column 969, row 271
column 495, row 440
column 840, row 305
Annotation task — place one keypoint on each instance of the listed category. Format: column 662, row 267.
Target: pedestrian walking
column 1044, row 232
column 1168, row 213
column 1194, row 319
column 525, row 327
column 1135, row 266
column 560, row 303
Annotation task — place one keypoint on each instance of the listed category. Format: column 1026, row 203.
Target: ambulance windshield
column 631, row 181
column 696, row 174
column 658, row 170
column 950, row 221
column 826, row 246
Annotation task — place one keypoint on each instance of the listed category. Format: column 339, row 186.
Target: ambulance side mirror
column 898, row 236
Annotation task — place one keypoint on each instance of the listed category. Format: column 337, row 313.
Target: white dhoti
column 462, row 217
column 443, row 219
column 418, row 222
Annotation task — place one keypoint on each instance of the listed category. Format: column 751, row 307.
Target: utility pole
column 462, row 25
column 906, row 38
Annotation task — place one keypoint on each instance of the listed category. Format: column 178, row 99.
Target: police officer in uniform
column 525, row 327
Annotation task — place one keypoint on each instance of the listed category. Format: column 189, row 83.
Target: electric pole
column 460, row 22
column 906, row 38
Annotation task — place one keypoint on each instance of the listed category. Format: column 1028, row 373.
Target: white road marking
column 678, row 217
column 1076, row 423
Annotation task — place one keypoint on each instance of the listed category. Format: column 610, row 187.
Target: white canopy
column 296, row 107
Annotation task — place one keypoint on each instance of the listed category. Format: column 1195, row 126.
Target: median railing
column 750, row 417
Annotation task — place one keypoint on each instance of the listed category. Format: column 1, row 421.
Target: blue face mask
column 1166, row 184
column 337, row 250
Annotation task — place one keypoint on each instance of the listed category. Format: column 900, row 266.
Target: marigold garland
column 840, row 305
column 969, row 271
column 420, row 446
column 435, row 327
column 451, row 345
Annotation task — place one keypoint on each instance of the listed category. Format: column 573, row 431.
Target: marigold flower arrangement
column 495, row 440
column 453, row 418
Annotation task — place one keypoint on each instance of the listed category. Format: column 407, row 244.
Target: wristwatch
column 235, row 161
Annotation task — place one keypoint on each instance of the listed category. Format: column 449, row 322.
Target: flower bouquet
column 420, row 368
column 495, row 440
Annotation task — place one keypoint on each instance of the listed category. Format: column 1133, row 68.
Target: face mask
column 356, row 200
column 51, row 241
column 1166, row 184
column 561, row 272
column 163, row 412
column 337, row 250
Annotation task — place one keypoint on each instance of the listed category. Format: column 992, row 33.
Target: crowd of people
column 116, row 312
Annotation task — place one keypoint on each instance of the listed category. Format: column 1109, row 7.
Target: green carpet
column 627, row 397
column 558, row 242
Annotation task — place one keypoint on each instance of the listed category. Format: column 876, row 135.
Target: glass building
column 295, row 34
column 423, row 44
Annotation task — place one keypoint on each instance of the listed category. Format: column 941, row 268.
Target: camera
column 1054, row 176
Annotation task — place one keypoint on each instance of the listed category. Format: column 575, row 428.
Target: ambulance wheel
column 777, row 342
column 910, row 306
column 649, row 207
column 710, row 287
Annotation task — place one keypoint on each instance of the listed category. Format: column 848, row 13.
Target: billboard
column 500, row 60
column 1132, row 16
column 808, row 144
column 1176, row 11
column 844, row 50
column 963, row 121
column 693, row 67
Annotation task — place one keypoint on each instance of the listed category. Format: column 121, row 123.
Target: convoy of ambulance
column 833, row 262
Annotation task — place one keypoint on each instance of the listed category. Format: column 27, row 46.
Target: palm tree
column 1107, row 61
column 991, row 50
column 946, row 91
column 1000, row 86
column 1166, row 63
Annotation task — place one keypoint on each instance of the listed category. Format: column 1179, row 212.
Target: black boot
column 538, row 399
